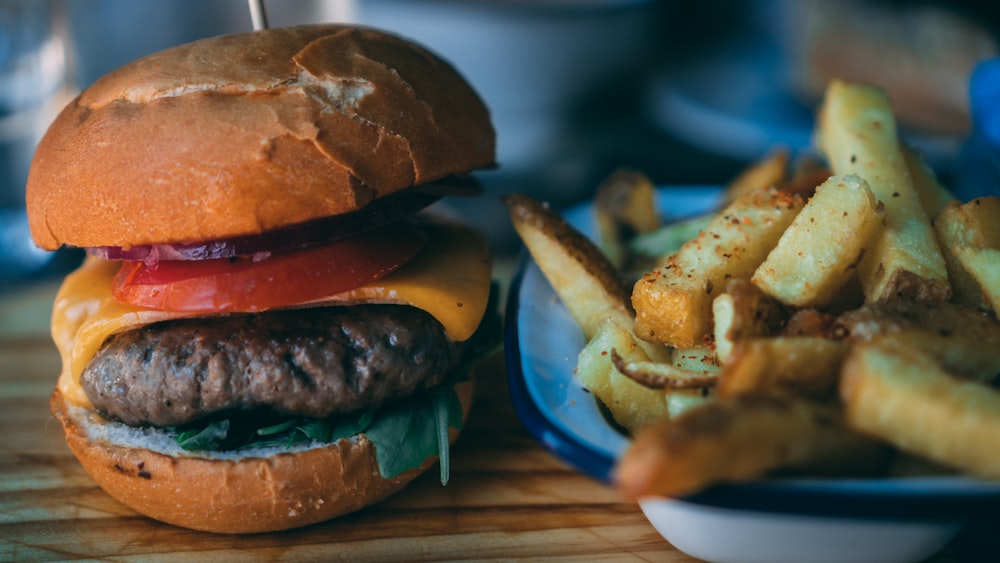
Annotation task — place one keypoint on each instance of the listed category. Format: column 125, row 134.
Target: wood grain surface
column 507, row 498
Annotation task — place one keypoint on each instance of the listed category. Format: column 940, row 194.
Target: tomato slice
column 290, row 278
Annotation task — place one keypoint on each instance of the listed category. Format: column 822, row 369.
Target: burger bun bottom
column 247, row 492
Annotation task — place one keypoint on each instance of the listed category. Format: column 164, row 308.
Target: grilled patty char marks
column 310, row 362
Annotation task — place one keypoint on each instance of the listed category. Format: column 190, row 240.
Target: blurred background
column 686, row 92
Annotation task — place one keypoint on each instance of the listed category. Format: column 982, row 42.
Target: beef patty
column 310, row 362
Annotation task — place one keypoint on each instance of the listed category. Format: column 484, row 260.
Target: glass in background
column 34, row 86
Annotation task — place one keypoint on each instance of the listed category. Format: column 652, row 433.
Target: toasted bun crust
column 234, row 494
column 240, row 134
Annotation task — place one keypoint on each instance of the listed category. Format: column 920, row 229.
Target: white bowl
column 740, row 536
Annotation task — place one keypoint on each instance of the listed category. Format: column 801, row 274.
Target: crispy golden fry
column 802, row 365
column 820, row 250
column 580, row 274
column 674, row 303
column 767, row 172
column 857, row 132
column 624, row 206
column 932, row 195
column 975, row 226
column 900, row 394
column 963, row 339
column 631, row 404
column 739, row 439
column 743, row 312
column 983, row 264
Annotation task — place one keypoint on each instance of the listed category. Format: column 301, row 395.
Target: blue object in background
column 978, row 172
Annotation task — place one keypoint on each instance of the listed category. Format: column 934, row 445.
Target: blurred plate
column 769, row 520
column 737, row 103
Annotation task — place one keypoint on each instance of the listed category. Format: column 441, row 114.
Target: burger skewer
column 258, row 14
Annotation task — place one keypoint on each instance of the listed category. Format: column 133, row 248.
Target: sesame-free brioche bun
column 233, row 492
column 241, row 134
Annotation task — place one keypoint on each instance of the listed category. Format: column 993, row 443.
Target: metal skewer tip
column 257, row 14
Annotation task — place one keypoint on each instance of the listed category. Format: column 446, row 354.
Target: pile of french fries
column 837, row 315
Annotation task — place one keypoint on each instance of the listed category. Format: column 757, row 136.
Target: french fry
column 810, row 322
column 684, row 384
column 900, row 394
column 674, row 303
column 659, row 375
column 963, row 339
column 818, row 253
column 631, row 404
column 974, row 226
column 807, row 173
column 802, row 365
column 696, row 359
column 983, row 264
column 857, row 133
column 932, row 195
column 739, row 439
column 744, row 312
column 768, row 172
column 579, row 272
column 624, row 206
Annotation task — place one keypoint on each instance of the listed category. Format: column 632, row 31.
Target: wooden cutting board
column 507, row 498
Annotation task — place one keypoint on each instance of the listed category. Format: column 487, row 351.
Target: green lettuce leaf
column 405, row 434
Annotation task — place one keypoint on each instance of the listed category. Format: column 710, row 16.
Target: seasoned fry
column 963, row 339
column 659, row 375
column 739, row 439
column 818, row 253
column 624, row 206
column 580, row 274
column 974, row 225
column 631, row 404
column 802, row 365
column 900, row 394
column 743, row 312
column 857, row 132
column 674, row 303
column 695, row 359
column 767, row 172
column 983, row 264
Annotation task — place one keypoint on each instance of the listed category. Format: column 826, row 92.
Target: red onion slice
column 381, row 212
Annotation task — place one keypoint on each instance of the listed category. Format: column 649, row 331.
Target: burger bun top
column 240, row 134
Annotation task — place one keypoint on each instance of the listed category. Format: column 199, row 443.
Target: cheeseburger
column 267, row 331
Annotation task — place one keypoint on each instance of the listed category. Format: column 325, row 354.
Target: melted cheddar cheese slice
column 449, row 278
